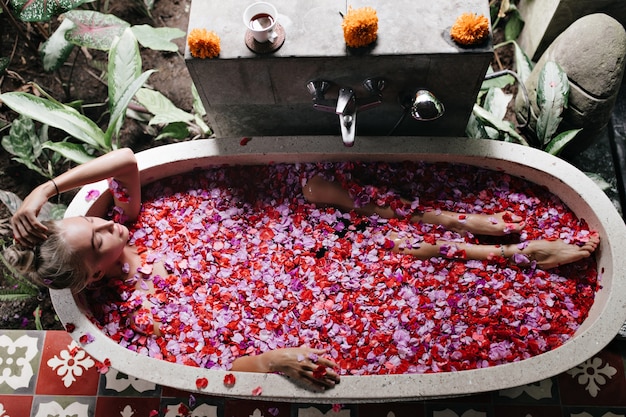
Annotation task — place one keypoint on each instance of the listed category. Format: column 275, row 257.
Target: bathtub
column 572, row 186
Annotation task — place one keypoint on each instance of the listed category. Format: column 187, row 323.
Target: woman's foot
column 552, row 253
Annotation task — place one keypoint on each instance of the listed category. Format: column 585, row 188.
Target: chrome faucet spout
column 346, row 109
column 347, row 123
column 346, row 102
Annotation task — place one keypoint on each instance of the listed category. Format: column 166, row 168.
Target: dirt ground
column 172, row 79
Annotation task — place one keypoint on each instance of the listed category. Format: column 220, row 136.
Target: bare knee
column 313, row 190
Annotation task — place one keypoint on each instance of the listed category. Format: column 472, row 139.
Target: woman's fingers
column 28, row 230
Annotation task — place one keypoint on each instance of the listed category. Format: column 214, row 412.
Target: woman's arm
column 119, row 164
column 303, row 364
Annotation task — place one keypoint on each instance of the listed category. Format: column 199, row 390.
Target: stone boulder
column 592, row 52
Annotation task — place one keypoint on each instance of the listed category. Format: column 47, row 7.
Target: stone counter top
column 313, row 28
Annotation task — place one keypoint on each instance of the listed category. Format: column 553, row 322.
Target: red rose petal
column 229, row 380
column 202, row 383
column 315, row 270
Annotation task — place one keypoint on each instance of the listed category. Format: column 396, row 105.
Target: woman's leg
column 546, row 253
column 320, row 191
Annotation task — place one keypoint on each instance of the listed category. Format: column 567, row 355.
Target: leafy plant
column 124, row 80
column 175, row 123
column 15, row 286
column 79, row 27
column 552, row 96
column 487, row 119
column 26, row 146
column 49, row 211
column 506, row 11
column 95, row 30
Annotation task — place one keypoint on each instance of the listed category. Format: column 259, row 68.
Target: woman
column 75, row 252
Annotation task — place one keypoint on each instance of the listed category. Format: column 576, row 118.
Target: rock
column 592, row 52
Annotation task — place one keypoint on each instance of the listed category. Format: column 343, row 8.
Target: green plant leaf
column 43, row 10
column 15, row 295
column 158, row 39
column 94, row 29
column 10, row 200
column 122, row 105
column 124, row 67
column 161, row 107
column 22, row 140
column 501, row 125
column 57, row 115
column 498, row 82
column 177, row 130
column 475, row 129
column 556, row 145
column 523, row 64
column 497, row 102
column 56, row 50
column 49, row 211
column 30, row 165
column 72, row 151
column 599, row 181
column 514, row 25
column 552, row 96
column 198, row 107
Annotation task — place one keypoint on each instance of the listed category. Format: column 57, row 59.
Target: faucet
column 422, row 105
column 346, row 109
column 347, row 104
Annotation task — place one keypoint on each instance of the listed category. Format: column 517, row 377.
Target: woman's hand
column 27, row 229
column 304, row 365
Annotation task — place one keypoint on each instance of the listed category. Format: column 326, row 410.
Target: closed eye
column 95, row 242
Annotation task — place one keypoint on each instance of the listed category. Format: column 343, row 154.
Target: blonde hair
column 53, row 263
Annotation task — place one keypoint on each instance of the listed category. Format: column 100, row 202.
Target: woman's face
column 99, row 242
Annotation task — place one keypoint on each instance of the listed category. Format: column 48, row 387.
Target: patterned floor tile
column 65, row 368
column 191, row 406
column 248, row 408
column 172, row 392
column 542, row 392
column 127, row 407
column 15, row 405
column 527, row 410
column 46, row 406
column 458, row 410
column 20, row 354
column 483, row 397
column 599, row 381
column 324, row 410
column 395, row 409
column 594, row 412
column 115, row 383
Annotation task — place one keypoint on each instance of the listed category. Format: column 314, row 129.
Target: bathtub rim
column 593, row 335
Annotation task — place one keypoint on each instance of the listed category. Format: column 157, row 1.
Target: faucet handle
column 318, row 88
column 374, row 85
column 426, row 106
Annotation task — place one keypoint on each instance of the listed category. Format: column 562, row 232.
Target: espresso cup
column 260, row 19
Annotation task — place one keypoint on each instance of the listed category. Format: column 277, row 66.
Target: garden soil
column 80, row 79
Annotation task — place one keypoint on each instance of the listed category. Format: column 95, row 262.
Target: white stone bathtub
column 572, row 186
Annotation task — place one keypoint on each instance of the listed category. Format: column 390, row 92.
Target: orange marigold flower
column 470, row 29
column 360, row 26
column 203, row 44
